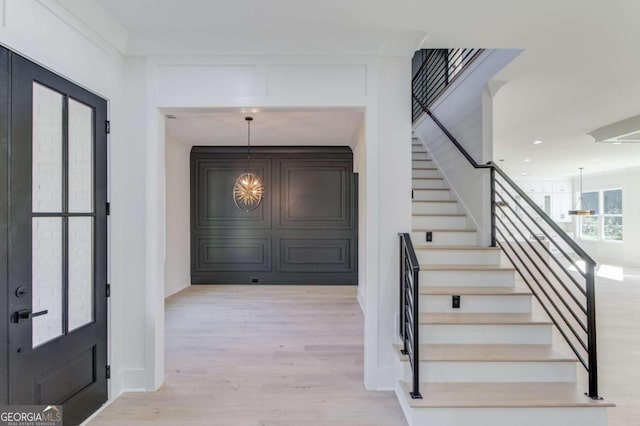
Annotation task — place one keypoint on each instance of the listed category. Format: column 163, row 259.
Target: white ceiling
column 579, row 70
column 270, row 127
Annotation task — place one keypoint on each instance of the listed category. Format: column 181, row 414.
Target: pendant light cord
column 248, row 119
column 580, row 199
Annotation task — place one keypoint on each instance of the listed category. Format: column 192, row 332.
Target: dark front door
column 54, row 153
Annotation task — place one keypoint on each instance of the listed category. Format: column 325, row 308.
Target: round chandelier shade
column 248, row 191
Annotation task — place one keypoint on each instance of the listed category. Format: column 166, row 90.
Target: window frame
column 600, row 217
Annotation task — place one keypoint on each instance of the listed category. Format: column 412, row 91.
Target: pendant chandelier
column 248, row 189
column 580, row 211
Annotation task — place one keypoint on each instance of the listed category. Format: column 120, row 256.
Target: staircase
column 494, row 360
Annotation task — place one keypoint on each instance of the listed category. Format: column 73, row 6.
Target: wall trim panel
column 304, row 231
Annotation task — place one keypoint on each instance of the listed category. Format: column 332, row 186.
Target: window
column 606, row 223
column 590, row 224
column 612, row 215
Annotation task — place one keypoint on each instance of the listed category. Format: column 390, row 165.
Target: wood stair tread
column 442, row 230
column 449, row 267
column 434, row 201
column 499, row 395
column 428, row 247
column 491, row 353
column 424, row 168
column 475, row 291
column 439, row 214
column 430, row 189
column 483, row 319
column 427, row 178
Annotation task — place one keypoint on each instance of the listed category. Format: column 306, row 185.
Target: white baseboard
column 384, row 379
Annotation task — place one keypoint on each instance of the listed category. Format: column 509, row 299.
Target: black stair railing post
column 493, row 205
column 402, row 298
column 416, row 335
column 591, row 328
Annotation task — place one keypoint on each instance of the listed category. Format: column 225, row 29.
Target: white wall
column 177, row 264
column 359, row 146
column 466, row 112
column 626, row 252
column 379, row 85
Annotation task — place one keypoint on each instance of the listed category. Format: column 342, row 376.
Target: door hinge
column 108, row 371
column 108, row 209
column 107, row 127
column 108, row 290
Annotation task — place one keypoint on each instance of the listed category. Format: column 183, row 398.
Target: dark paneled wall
column 303, row 232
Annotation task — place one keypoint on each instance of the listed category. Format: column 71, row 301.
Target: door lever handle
column 25, row 314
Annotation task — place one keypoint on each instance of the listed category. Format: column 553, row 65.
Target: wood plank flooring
column 284, row 356
column 261, row 356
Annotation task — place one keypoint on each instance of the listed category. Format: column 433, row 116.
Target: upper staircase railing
column 559, row 273
column 434, row 71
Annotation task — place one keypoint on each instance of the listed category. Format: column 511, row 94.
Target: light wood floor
column 261, row 356
column 618, row 308
column 285, row 356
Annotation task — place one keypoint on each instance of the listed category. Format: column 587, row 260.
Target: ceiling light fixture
column 248, row 189
column 526, row 160
column 537, row 142
column 580, row 211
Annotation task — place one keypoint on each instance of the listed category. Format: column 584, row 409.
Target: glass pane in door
column 80, row 157
column 47, row 290
column 48, row 108
column 80, row 271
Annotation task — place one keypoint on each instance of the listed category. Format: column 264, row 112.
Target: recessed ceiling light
column 537, row 142
column 525, row 174
column 526, row 160
column 617, row 143
column 594, row 160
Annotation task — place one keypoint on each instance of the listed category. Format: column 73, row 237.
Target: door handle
column 25, row 314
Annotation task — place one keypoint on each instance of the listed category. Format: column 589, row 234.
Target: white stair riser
column 439, row 222
column 420, row 156
column 431, row 194
column 446, row 238
column 437, row 208
column 488, row 334
column 477, row 304
column 421, row 164
column 494, row 371
column 419, row 173
column 491, row 278
column 501, row 416
column 458, row 257
column 427, row 183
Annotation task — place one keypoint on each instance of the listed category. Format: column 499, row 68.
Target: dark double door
column 53, row 241
column 303, row 232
